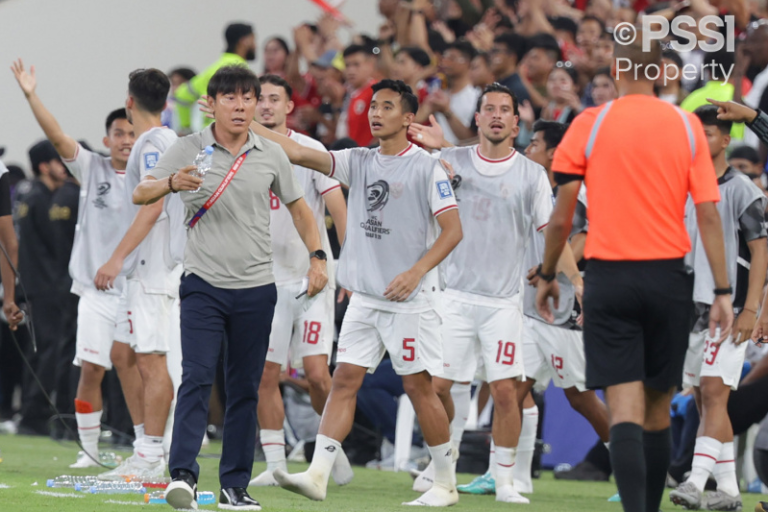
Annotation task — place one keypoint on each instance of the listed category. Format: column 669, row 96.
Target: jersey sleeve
column 441, row 197
column 752, row 220
column 570, row 161
column 702, row 180
column 148, row 159
column 80, row 165
column 340, row 161
column 174, row 158
column 541, row 201
column 285, row 186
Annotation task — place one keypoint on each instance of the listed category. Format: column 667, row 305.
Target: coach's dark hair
column 497, row 87
column 115, row 115
column 232, row 79
column 278, row 81
column 357, row 48
column 552, row 132
column 463, row 47
column 417, row 55
column 149, row 89
column 408, row 100
column 707, row 114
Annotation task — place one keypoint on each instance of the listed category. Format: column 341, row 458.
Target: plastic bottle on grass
column 158, row 498
column 70, row 481
column 117, row 488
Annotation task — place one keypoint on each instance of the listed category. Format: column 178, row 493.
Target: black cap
column 235, row 32
column 41, row 153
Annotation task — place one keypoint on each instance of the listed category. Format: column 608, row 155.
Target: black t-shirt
column 63, row 216
column 37, row 247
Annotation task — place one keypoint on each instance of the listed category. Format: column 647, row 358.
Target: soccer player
column 637, row 290
column 304, row 336
column 714, row 368
column 403, row 213
column 101, row 225
column 150, row 255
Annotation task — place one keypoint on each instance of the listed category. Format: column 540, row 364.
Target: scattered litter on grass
column 3, row 486
column 55, row 458
column 58, row 494
column 117, row 502
column 34, row 484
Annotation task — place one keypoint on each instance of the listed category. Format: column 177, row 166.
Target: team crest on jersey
column 378, row 195
column 397, row 190
column 444, row 188
column 359, row 107
column 102, row 189
column 150, row 160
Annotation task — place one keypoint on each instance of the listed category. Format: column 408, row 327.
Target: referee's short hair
column 233, row 79
column 278, row 81
column 552, row 132
column 707, row 114
column 149, row 89
column 408, row 101
column 497, row 87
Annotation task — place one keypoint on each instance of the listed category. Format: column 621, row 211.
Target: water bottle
column 158, row 498
column 154, row 483
column 69, row 481
column 203, row 161
column 117, row 488
column 110, row 459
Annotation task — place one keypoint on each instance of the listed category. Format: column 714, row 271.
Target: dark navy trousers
column 242, row 320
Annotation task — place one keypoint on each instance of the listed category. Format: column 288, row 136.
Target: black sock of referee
column 628, row 461
column 658, row 447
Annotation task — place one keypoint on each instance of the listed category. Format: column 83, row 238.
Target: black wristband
column 724, row 291
column 546, row 277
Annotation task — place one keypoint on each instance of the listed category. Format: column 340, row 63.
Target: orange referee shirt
column 639, row 158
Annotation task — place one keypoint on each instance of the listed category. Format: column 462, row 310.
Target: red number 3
column 506, row 353
column 713, row 348
column 410, row 349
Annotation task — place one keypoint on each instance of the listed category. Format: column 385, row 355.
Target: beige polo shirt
column 230, row 247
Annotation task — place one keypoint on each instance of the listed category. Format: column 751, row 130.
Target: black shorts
column 637, row 317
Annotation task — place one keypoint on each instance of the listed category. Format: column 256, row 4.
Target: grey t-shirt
column 230, row 247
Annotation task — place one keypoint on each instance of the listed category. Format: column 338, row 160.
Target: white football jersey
column 163, row 248
column 289, row 254
column 102, row 218
column 391, row 222
column 500, row 201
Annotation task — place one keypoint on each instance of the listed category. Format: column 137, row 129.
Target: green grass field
column 28, row 462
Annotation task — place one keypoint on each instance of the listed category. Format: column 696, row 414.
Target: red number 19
column 506, row 353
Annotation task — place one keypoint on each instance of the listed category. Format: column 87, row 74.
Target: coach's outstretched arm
column 65, row 145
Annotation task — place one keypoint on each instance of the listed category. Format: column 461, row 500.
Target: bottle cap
column 209, row 150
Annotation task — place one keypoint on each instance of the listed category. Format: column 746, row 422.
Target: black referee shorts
column 637, row 317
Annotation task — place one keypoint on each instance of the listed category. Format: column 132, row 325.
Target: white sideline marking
column 58, row 494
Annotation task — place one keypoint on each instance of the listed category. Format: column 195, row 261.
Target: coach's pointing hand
column 732, row 111
column 183, row 180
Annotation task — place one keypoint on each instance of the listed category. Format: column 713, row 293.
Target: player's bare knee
column 347, row 380
column 91, row 374
column 580, row 401
column 504, row 394
column 318, row 377
column 442, row 387
column 270, row 377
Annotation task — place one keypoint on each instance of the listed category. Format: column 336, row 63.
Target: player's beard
column 496, row 139
column 250, row 55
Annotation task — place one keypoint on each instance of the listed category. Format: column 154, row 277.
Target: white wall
column 83, row 51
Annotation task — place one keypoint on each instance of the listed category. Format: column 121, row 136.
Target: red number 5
column 410, row 349
column 506, row 353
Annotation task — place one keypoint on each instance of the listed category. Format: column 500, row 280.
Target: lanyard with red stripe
column 222, row 186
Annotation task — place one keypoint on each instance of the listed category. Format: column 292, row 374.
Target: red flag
column 333, row 11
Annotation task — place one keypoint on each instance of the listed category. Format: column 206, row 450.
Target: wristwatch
column 319, row 254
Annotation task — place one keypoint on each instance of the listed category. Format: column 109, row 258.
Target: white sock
column 89, row 430
column 462, row 396
column 492, row 459
column 138, row 432
column 705, row 454
column 326, row 450
column 273, row 444
column 725, row 470
column 442, row 458
column 151, row 449
column 526, row 446
column 505, row 463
